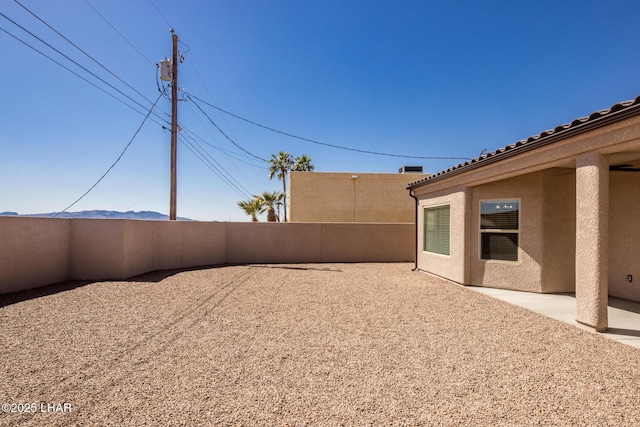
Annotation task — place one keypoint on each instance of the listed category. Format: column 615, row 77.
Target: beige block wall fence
column 40, row 251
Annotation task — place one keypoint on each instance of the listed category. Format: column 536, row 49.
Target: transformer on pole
column 165, row 70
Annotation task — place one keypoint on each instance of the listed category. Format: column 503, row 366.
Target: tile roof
column 616, row 112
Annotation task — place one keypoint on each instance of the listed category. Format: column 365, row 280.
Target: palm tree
column 270, row 200
column 279, row 203
column 252, row 207
column 279, row 166
column 302, row 163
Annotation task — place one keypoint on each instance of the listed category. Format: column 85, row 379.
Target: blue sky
column 422, row 78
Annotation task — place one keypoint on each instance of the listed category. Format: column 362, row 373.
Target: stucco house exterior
column 557, row 212
column 351, row 197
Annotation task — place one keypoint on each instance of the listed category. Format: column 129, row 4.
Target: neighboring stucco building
column 351, row 197
column 558, row 212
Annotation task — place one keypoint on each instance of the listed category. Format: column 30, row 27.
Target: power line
column 223, row 170
column 201, row 157
column 155, row 66
column 228, row 153
column 211, row 96
column 221, row 131
column 76, row 74
column 238, row 169
column 119, row 33
column 117, row 160
column 196, row 139
column 230, row 157
column 219, row 170
column 68, row 58
column 323, row 143
column 163, row 17
column 81, row 50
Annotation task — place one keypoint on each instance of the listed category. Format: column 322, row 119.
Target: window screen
column 499, row 229
column 437, row 229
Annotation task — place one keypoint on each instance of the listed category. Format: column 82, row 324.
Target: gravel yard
column 303, row 344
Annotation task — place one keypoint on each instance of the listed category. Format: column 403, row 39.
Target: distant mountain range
column 148, row 215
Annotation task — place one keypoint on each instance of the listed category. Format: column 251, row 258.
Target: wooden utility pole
column 174, row 126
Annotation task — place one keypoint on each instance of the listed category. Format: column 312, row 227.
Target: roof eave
column 537, row 142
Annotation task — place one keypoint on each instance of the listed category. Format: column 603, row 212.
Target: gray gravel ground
column 312, row 344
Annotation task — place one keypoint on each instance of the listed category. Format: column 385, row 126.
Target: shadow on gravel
column 43, row 291
column 46, row 290
column 150, row 277
column 159, row 275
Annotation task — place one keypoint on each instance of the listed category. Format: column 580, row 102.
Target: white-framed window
column 436, row 233
column 499, row 229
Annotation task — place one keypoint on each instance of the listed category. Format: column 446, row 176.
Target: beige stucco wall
column 338, row 197
column 123, row 248
column 559, row 230
column 33, row 252
column 546, row 240
column 524, row 274
column 138, row 247
column 318, row 242
column 624, row 234
column 96, row 249
column 450, row 266
column 168, row 246
column 203, row 243
column 548, row 234
column 273, row 242
column 343, row 242
column 39, row 251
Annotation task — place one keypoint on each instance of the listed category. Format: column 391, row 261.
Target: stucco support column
column 592, row 240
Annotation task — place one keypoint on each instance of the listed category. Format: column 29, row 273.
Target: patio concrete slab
column 624, row 315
